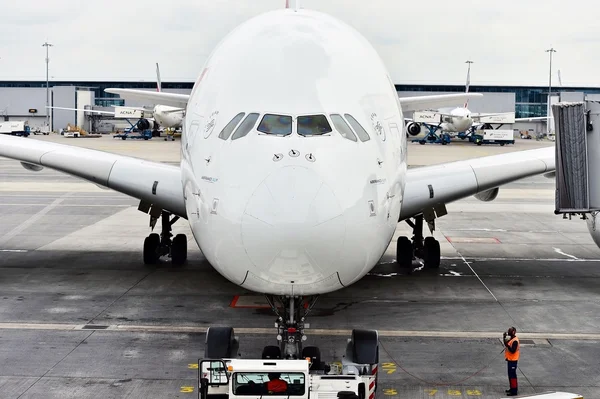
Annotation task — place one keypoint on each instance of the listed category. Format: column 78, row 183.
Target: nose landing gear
column 427, row 249
column 156, row 246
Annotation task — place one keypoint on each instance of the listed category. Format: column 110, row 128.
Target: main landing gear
column 427, row 249
column 362, row 349
column 156, row 246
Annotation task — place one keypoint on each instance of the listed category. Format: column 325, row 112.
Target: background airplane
column 292, row 182
column 162, row 115
column 461, row 119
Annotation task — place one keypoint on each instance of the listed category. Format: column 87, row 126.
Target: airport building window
column 259, row 384
column 246, row 126
column 228, row 129
column 313, row 125
column 342, row 127
column 360, row 131
column 280, row 125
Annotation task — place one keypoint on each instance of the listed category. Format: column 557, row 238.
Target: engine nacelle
column 145, row 124
column 488, row 195
column 594, row 228
column 413, row 128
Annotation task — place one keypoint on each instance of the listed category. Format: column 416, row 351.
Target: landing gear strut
column 427, row 249
column 156, row 246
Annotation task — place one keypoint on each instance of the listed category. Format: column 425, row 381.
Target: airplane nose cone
column 293, row 227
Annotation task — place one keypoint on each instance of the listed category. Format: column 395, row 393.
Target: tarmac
column 82, row 317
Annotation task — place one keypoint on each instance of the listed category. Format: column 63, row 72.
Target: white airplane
column 164, row 115
column 293, row 174
column 460, row 119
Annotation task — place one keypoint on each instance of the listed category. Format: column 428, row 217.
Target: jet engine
column 145, row 124
column 594, row 228
column 488, row 195
column 413, row 128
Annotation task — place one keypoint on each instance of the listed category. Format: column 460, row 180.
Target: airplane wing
column 153, row 182
column 419, row 103
column 157, row 97
column 429, row 186
column 537, row 118
column 93, row 111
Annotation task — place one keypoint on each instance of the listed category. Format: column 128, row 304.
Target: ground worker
column 276, row 384
column 511, row 354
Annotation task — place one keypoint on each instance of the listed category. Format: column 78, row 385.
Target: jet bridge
column 577, row 158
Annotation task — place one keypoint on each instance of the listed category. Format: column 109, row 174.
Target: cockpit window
column 342, row 127
column 313, row 125
column 360, row 131
column 228, row 129
column 245, row 127
column 276, row 124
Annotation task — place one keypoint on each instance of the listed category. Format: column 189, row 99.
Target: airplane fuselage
column 280, row 204
column 459, row 121
column 168, row 117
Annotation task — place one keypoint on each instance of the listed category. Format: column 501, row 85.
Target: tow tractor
column 358, row 364
column 246, row 379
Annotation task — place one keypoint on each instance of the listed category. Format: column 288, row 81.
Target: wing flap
column 429, row 186
column 152, row 182
column 419, row 103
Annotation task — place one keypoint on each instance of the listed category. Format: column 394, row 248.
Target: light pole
column 550, row 50
column 47, row 45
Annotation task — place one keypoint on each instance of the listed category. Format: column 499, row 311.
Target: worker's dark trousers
column 512, row 377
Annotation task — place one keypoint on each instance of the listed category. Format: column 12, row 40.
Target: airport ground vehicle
column 15, row 128
column 224, row 373
column 244, row 378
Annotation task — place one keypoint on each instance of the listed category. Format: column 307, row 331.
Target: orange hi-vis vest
column 512, row 357
column 276, row 386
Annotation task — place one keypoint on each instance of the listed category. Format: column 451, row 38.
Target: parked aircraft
column 162, row 115
column 461, row 119
column 293, row 174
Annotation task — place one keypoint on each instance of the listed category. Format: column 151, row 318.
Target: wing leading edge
column 419, row 103
column 152, row 182
column 430, row 186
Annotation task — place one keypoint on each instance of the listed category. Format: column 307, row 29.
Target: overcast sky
column 424, row 41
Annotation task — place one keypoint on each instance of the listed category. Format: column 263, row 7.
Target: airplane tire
column 151, row 244
column 179, row 250
column 219, row 343
column 365, row 346
column 431, row 253
column 404, row 252
column 315, row 355
column 271, row 352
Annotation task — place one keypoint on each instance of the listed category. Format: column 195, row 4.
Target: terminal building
column 26, row 100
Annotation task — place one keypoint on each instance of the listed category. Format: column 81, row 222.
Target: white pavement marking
column 72, row 205
column 13, row 250
column 321, row 331
column 33, row 219
column 476, row 275
column 557, row 250
column 484, row 259
column 50, row 187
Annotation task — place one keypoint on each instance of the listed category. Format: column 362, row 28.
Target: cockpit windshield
column 280, row 125
column 313, row 125
column 342, row 127
column 267, row 384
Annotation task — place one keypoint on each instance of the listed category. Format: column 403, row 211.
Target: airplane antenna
column 468, row 80
column 158, row 82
